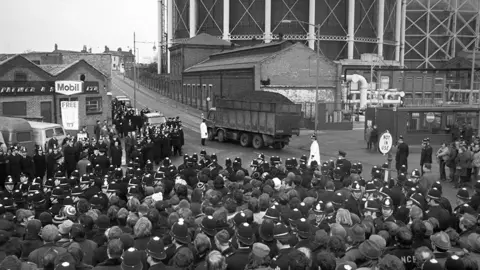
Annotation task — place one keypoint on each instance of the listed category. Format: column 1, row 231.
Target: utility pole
column 134, row 74
column 318, row 75
column 160, row 36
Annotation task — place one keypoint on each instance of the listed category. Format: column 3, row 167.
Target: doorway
column 46, row 111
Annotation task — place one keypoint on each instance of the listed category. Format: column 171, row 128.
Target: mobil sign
column 68, row 87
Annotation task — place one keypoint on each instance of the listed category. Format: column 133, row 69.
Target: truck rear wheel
column 211, row 137
column 279, row 145
column 245, row 140
column 257, row 141
column 221, row 136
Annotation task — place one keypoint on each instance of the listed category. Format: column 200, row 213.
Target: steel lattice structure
column 436, row 30
column 348, row 28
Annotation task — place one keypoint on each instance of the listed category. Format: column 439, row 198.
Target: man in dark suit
column 426, row 155
column 401, row 158
column 343, row 163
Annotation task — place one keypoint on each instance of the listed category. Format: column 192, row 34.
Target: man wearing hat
column 156, row 253
column 103, row 161
column 401, row 157
column 245, row 239
column 15, row 167
column 181, row 239
column 435, row 210
column 40, row 162
column 426, row 154
column 463, row 197
column 282, row 235
column 343, row 163
column 387, row 214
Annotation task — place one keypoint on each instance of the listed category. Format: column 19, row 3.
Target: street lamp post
column 318, row 67
column 135, row 66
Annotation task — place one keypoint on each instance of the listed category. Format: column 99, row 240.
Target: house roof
column 205, row 39
column 254, row 47
column 239, row 61
column 53, row 69
column 65, row 51
column 19, row 56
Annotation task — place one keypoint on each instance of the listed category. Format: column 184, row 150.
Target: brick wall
column 33, row 103
column 88, row 119
column 297, row 66
column 195, row 55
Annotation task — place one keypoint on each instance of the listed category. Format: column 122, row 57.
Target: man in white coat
column 203, row 131
column 314, row 151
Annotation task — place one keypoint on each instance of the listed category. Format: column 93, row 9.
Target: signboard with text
column 68, row 88
column 385, row 142
column 30, row 88
column 69, row 112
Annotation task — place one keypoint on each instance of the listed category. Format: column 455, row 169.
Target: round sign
column 385, row 142
column 430, row 117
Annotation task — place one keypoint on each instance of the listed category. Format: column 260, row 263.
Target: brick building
column 186, row 54
column 284, row 67
column 27, row 90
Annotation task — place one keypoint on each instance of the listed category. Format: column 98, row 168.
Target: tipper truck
column 257, row 118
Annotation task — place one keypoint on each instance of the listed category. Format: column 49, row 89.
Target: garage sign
column 68, row 88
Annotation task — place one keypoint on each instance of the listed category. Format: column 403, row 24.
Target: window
column 82, row 76
column 93, row 105
column 20, row 77
column 23, row 137
column 17, row 108
column 425, row 121
column 59, row 132
column 49, row 133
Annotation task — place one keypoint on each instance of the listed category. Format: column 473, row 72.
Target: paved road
column 330, row 141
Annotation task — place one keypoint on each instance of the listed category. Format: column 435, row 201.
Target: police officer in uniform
column 387, row 214
column 282, row 235
column 426, row 154
column 343, row 163
column 401, row 157
column 354, row 201
column 181, row 239
column 155, row 253
column 245, row 239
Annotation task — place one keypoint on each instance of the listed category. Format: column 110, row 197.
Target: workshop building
column 27, row 90
column 284, row 67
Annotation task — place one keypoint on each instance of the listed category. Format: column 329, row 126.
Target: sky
column 36, row 25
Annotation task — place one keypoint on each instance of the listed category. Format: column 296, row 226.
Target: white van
column 43, row 132
column 155, row 118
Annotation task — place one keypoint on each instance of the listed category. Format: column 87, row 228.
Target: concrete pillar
column 160, row 36
column 402, row 40
column 398, row 29
column 193, row 18
column 169, row 31
column 268, row 21
column 226, row 20
column 351, row 28
column 311, row 26
column 380, row 27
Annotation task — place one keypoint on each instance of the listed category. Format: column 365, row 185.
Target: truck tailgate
column 287, row 124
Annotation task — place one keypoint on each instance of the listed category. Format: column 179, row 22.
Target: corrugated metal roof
column 228, row 63
column 254, row 47
column 206, row 39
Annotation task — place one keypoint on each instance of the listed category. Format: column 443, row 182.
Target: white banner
column 69, row 111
